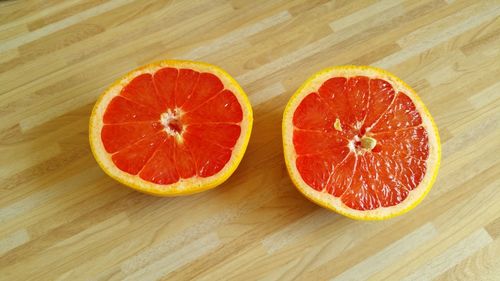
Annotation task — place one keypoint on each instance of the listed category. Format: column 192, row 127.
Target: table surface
column 62, row 217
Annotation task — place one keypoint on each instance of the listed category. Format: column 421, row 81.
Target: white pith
column 167, row 117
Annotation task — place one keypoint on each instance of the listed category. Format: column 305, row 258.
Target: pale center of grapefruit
column 361, row 142
column 361, row 145
column 171, row 121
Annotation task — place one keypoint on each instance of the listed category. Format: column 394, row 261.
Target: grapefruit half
column 359, row 141
column 171, row 128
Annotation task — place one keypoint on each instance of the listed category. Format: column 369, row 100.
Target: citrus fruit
column 359, row 141
column 171, row 128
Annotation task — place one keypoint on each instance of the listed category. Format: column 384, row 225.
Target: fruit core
column 171, row 121
column 362, row 144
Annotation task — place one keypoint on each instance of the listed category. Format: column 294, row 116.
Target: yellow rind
column 367, row 216
column 167, row 192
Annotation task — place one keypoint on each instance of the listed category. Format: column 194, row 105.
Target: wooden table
column 62, row 218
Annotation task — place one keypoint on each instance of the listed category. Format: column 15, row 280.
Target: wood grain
column 62, row 218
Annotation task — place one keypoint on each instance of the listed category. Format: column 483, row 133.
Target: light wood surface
column 62, row 218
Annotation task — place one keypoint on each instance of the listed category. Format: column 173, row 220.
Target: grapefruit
column 359, row 141
column 171, row 128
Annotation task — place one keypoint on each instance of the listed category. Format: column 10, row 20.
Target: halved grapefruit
column 359, row 141
column 171, row 128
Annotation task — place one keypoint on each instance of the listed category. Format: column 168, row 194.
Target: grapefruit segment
column 400, row 114
column 358, row 93
column 141, row 90
column 333, row 92
column 188, row 79
column 207, row 87
column 222, row 108
column 315, row 142
column 211, row 131
column 165, row 81
column 341, row 178
column 171, row 128
column 161, row 166
column 122, row 110
column 381, row 97
column 411, row 142
column 359, row 141
column 391, row 191
column 361, row 193
column 186, row 166
column 132, row 158
column 117, row 136
column 210, row 157
column 312, row 114
column 316, row 170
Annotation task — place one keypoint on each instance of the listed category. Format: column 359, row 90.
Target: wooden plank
column 62, row 218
